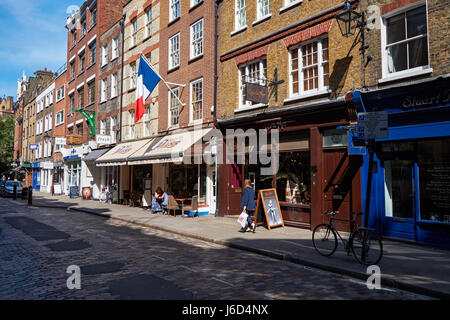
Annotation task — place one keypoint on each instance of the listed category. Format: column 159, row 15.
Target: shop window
column 293, row 178
column 186, row 181
column 434, row 179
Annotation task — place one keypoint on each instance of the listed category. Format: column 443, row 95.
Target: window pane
column 417, row 22
column 396, row 56
column 293, row 178
column 418, row 53
column 395, row 29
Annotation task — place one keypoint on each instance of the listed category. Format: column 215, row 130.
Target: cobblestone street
column 124, row 261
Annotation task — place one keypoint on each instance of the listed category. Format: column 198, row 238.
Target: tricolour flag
column 147, row 80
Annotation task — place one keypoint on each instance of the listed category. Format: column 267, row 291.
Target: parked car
column 8, row 189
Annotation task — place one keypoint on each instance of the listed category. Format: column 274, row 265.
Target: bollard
column 30, row 196
column 15, row 192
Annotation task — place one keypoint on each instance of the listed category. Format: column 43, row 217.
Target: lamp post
column 349, row 22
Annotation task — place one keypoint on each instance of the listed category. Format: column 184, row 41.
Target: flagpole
column 167, row 85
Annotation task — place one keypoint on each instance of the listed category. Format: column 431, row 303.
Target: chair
column 126, row 197
column 172, row 205
column 192, row 207
column 136, row 199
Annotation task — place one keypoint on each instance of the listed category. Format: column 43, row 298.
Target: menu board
column 74, row 192
column 435, row 192
column 268, row 211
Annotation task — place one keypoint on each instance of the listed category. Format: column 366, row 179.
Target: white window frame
column 191, row 107
column 50, row 121
column 174, row 51
column 146, row 129
column 133, row 75
column 104, row 55
column 386, row 76
column 248, row 105
column 148, row 22
column 240, row 13
column 322, row 89
column 261, row 7
column 172, row 99
column 195, row 2
column 134, row 31
column 114, row 48
column 102, row 127
column 174, row 9
column 114, row 84
column 197, row 37
column 112, row 124
column 131, row 127
column 61, row 118
column 103, row 90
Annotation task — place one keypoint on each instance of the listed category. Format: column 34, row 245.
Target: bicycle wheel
column 366, row 247
column 324, row 240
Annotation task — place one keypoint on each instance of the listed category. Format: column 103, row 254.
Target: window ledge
column 261, row 19
column 253, row 107
column 193, row 59
column 195, row 122
column 290, row 6
column 411, row 73
column 307, row 95
column 238, row 30
column 112, row 59
column 173, row 69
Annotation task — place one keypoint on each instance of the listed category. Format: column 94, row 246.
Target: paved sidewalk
column 410, row 267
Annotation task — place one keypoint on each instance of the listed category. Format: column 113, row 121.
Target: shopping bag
column 242, row 220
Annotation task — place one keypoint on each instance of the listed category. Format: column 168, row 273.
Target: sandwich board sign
column 268, row 211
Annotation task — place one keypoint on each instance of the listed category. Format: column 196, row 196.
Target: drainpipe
column 216, row 36
column 122, row 29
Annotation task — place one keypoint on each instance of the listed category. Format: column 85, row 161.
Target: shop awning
column 118, row 155
column 170, row 148
column 95, row 154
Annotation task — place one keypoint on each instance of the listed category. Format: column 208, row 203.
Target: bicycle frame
column 352, row 230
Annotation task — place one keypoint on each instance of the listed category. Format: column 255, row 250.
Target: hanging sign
column 90, row 119
column 373, row 125
column 268, row 211
column 256, row 93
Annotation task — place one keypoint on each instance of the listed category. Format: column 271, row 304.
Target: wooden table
column 182, row 200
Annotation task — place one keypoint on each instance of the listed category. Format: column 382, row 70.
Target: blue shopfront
column 410, row 196
column 36, row 167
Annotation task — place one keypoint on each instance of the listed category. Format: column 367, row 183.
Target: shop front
column 411, row 183
column 312, row 170
column 175, row 163
column 46, row 177
column 117, row 175
column 58, row 177
column 36, row 169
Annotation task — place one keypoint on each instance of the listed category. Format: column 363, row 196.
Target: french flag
column 147, row 80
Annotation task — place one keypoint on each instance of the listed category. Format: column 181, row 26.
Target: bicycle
column 364, row 243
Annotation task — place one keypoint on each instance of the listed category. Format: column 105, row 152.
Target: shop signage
column 430, row 94
column 47, row 165
column 103, row 139
column 373, row 125
column 33, row 147
column 268, row 211
column 256, row 93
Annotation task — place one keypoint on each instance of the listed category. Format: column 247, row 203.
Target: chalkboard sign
column 74, row 192
column 268, row 211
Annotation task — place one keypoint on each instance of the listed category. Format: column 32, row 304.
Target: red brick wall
column 189, row 70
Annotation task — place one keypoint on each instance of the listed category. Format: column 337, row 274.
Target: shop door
column 211, row 189
column 400, row 201
column 340, row 172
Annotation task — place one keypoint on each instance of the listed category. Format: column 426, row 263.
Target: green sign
column 90, row 119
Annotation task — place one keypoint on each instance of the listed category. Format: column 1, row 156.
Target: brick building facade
column 318, row 67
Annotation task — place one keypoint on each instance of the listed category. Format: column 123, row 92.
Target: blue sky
column 33, row 37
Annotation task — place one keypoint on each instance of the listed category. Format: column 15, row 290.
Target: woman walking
column 248, row 204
